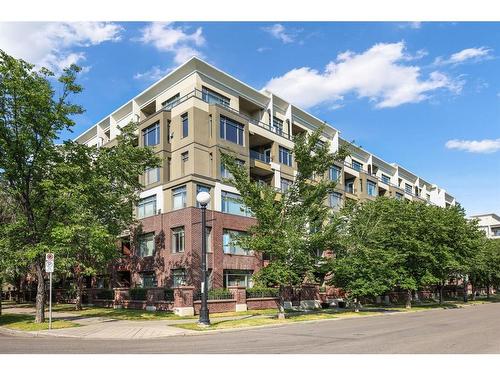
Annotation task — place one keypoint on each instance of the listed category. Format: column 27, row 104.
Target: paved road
column 474, row 329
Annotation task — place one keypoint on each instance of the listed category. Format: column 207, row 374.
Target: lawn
column 27, row 323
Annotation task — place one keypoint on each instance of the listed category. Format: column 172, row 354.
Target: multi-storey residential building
column 190, row 117
column 490, row 224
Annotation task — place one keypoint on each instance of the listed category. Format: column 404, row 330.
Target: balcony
column 263, row 157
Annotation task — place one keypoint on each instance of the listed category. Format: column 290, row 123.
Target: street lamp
column 203, row 198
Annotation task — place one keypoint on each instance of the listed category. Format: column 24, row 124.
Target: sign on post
column 49, row 268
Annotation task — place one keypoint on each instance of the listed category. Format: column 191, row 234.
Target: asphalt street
column 474, row 329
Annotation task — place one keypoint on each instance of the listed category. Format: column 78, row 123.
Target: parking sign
column 49, row 262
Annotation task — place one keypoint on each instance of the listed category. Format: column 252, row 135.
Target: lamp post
column 203, row 198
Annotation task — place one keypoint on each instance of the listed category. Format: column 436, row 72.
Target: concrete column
column 240, row 295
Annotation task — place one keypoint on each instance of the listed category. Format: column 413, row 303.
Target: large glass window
column 277, row 126
column 335, row 200
column 399, row 196
column 179, row 197
column 151, row 135
column 224, row 172
column 408, row 188
column 238, row 278
column 285, row 156
column 178, row 277
column 371, row 188
column 233, row 204
column 146, row 207
column 335, row 173
column 147, row 280
column 152, row 176
column 146, row 244
column 285, row 184
column 386, row 179
column 229, row 243
column 212, row 97
column 185, row 125
column 231, row 130
column 178, row 240
column 199, row 189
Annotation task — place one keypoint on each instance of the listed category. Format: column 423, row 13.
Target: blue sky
column 424, row 95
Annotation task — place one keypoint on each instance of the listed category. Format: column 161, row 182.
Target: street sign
column 49, row 262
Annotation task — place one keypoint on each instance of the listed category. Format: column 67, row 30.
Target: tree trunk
column 1, row 288
column 408, row 299
column 466, row 291
column 441, row 292
column 356, row 305
column 40, row 295
column 488, row 291
column 79, row 291
column 473, row 297
column 281, row 306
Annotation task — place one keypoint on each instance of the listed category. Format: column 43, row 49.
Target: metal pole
column 204, row 313
column 50, row 300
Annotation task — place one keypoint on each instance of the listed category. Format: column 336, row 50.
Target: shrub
column 216, row 294
column 169, row 295
column 259, row 292
column 105, row 294
column 138, row 294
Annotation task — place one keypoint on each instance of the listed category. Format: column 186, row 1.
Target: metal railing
column 260, row 156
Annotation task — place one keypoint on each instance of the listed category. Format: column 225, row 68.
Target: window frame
column 178, row 240
column 141, row 243
column 185, row 125
column 283, row 151
column 146, row 132
column 224, row 122
column 227, row 195
column 182, row 191
column 371, row 187
column 231, row 248
column 147, row 180
column 142, row 204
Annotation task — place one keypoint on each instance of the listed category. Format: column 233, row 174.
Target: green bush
column 105, row 294
column 260, row 292
column 138, row 294
column 169, row 295
column 216, row 294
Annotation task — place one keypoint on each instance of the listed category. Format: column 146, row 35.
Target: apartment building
column 490, row 224
column 189, row 118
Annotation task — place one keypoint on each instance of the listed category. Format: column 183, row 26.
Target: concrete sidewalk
column 106, row 328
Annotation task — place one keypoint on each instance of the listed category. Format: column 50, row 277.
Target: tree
column 485, row 266
column 31, row 117
column 295, row 226
column 97, row 188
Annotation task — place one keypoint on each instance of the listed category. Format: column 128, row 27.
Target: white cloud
column 51, row 44
column 153, row 74
column 165, row 37
column 466, row 55
column 279, row 31
column 379, row 74
column 263, row 49
column 485, row 146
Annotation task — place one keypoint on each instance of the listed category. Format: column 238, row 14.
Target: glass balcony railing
column 260, row 156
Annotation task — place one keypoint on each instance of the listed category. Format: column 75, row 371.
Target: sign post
column 49, row 268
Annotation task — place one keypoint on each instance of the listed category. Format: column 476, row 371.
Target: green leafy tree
column 485, row 266
column 31, row 117
column 295, row 226
column 98, row 189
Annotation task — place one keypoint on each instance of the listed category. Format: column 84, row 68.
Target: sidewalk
column 105, row 328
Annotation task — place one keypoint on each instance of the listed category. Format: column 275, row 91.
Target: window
column 232, row 204
column 184, row 160
column 277, row 126
column 408, row 188
column 335, row 200
column 146, row 207
column 147, row 280
column 285, row 156
column 199, row 189
column 238, row 278
column 356, row 165
column 178, row 277
column 495, row 232
column 179, row 198
column 231, row 130
column 224, row 172
column 146, row 244
column 335, row 173
column 212, row 97
column 152, row 176
column 371, row 188
column 399, row 195
column 229, row 244
column 385, row 179
column 178, row 237
column 285, row 184
column 185, row 125
column 151, row 135
column 428, row 197
column 170, row 103
column 349, row 187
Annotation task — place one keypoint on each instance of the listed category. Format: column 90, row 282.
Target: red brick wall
column 224, row 305
column 262, row 303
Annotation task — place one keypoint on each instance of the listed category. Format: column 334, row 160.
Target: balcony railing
column 260, row 156
column 349, row 189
